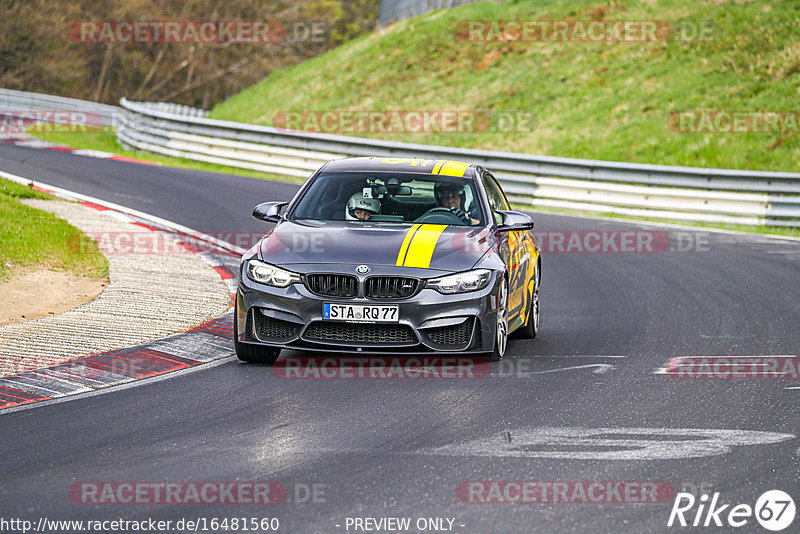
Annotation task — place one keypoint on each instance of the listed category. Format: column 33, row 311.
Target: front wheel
column 531, row 328
column 252, row 353
column 501, row 329
column 256, row 353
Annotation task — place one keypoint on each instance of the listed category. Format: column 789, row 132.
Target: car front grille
column 271, row 329
column 332, row 285
column 383, row 334
column 390, row 287
column 457, row 335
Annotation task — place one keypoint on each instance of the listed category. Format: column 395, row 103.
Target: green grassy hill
column 32, row 239
column 589, row 100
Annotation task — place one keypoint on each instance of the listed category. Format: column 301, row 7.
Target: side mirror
column 514, row 221
column 269, row 211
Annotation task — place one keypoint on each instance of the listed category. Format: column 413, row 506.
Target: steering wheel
column 439, row 215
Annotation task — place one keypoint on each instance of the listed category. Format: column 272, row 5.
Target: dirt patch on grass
column 34, row 294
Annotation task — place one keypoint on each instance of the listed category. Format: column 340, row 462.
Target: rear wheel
column 501, row 328
column 252, row 353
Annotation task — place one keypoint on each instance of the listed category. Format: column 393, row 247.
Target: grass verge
column 32, row 238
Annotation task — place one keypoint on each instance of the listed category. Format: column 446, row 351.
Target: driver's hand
column 461, row 214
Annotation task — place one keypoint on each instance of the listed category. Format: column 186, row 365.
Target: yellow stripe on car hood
column 401, row 256
column 419, row 244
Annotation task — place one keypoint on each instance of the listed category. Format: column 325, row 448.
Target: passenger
column 360, row 208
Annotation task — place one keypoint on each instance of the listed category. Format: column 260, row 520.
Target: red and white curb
column 210, row 341
column 25, row 140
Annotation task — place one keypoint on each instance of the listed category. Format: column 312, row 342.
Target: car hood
column 426, row 246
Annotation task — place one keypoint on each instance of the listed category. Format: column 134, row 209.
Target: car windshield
column 391, row 198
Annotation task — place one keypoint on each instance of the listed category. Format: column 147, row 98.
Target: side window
column 497, row 201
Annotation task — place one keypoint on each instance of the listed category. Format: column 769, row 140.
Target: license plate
column 360, row 313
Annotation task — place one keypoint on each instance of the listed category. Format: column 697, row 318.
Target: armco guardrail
column 394, row 10
column 19, row 101
column 678, row 193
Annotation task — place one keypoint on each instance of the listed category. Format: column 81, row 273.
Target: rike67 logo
column 774, row 510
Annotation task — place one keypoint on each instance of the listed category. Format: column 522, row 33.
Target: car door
column 513, row 249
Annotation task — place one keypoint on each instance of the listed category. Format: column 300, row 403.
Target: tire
column 501, row 328
column 256, row 353
column 531, row 329
column 252, row 353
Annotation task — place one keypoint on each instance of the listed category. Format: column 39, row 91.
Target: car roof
column 441, row 167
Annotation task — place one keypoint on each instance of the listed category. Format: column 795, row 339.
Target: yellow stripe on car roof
column 408, row 161
column 454, row 168
column 441, row 167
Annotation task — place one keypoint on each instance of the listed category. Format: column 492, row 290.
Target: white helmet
column 358, row 202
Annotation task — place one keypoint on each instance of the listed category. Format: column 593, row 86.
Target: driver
column 452, row 196
column 360, row 208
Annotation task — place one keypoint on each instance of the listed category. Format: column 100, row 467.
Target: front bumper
column 291, row 318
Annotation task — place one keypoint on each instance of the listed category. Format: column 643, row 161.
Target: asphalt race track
column 586, row 401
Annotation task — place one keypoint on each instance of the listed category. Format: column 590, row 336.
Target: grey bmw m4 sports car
column 389, row 255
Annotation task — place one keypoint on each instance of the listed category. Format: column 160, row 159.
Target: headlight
column 264, row 273
column 461, row 282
